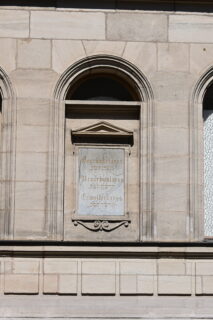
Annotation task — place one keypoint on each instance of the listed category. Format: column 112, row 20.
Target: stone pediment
column 102, row 128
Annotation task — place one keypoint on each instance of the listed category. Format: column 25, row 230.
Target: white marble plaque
column 101, row 181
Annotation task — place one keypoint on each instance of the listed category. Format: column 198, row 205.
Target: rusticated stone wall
column 106, row 277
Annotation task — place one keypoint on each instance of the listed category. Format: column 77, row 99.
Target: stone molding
column 176, row 251
column 7, row 156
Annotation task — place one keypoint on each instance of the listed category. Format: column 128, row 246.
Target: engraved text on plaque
column 101, row 181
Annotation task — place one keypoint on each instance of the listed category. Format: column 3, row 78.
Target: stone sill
column 145, row 251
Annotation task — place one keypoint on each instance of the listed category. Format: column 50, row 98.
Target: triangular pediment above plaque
column 102, row 128
column 100, row 131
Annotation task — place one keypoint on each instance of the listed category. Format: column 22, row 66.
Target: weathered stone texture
column 67, row 25
column 34, row 53
column 136, row 27
column 190, row 28
column 14, row 23
column 65, row 53
column 173, row 57
column 8, row 54
column 174, row 285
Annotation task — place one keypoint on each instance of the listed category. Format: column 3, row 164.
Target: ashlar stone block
column 104, row 47
column 34, row 53
column 50, row 283
column 25, row 229
column 138, row 268
column 145, row 285
column 128, row 284
column 26, row 114
column 139, row 52
column 204, row 268
column 60, row 267
column 136, row 285
column 32, row 138
column 171, row 141
column 21, row 283
column 8, row 54
column 30, row 195
column 25, row 266
column 201, row 57
column 136, row 27
column 171, row 169
column 98, row 284
column 171, row 225
column 98, row 267
column 65, row 53
column 173, row 57
column 170, row 285
column 67, row 25
column 207, row 285
column 190, row 28
column 14, row 23
column 172, row 114
column 67, row 284
column 172, row 87
column 171, row 267
column 34, row 83
column 31, row 166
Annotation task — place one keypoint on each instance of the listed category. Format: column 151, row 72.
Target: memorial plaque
column 101, row 181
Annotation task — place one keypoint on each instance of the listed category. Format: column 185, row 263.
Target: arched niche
column 200, row 103
column 7, row 155
column 138, row 102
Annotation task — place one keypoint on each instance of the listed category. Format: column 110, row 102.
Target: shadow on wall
column 172, row 5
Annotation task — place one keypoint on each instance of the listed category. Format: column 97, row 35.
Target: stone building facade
column 106, row 159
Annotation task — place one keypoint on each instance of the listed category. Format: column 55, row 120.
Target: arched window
column 208, row 161
column 100, row 164
column 7, row 156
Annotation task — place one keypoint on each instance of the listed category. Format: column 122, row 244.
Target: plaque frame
column 105, row 223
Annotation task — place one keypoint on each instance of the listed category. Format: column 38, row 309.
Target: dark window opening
column 101, row 87
column 208, row 102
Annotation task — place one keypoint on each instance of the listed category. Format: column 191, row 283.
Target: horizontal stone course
column 165, row 276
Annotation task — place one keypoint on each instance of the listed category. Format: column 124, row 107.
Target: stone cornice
column 115, row 251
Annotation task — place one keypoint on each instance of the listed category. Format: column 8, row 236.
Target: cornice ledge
column 75, row 251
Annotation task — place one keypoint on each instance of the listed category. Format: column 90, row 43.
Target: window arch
column 200, row 154
column 7, row 155
column 73, row 96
